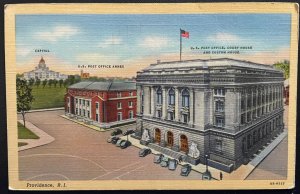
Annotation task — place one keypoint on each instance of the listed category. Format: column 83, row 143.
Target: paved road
column 80, row 153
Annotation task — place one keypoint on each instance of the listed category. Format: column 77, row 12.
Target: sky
column 136, row 41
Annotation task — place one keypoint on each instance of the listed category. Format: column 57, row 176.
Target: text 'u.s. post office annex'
column 220, row 110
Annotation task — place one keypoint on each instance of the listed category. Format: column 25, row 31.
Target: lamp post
column 206, row 162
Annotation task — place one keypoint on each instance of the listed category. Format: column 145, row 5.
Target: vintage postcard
column 151, row 96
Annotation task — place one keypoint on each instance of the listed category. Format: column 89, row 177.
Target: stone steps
column 165, row 151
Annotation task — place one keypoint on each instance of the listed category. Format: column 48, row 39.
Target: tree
column 66, row 82
column 37, row 82
column 24, row 97
column 284, row 66
column 50, row 82
column 31, row 82
column 55, row 82
column 60, row 82
column 44, row 83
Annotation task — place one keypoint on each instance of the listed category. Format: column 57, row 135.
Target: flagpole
column 180, row 43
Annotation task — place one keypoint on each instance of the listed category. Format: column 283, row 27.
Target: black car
column 164, row 161
column 172, row 164
column 185, row 170
column 128, row 132
column 124, row 144
column 144, row 152
column 114, row 140
column 157, row 158
column 116, row 132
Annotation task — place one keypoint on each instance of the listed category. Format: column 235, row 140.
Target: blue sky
column 142, row 39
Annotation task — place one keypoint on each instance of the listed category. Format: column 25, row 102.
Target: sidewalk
column 46, row 109
column 239, row 174
column 44, row 138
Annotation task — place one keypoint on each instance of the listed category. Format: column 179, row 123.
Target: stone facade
column 228, row 108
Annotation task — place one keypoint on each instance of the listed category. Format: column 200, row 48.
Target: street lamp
column 206, row 162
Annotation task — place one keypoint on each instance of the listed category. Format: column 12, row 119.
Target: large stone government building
column 42, row 72
column 223, row 110
column 103, row 104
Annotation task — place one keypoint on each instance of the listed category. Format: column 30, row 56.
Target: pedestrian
column 221, row 176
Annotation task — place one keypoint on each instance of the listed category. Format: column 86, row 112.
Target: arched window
column 185, row 98
column 159, row 96
column 171, row 97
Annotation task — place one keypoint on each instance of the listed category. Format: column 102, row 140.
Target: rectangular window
column 79, row 111
column 83, row 112
column 185, row 101
column 130, row 114
column 119, row 116
column 171, row 116
column 159, row 113
column 88, row 103
column 219, row 106
column 97, row 105
column 130, row 93
column 185, row 118
column 88, row 114
column 219, row 92
column 119, row 105
column 219, row 121
column 76, row 101
column 130, row 104
column 243, row 104
column 119, row 94
column 79, row 101
column 219, row 145
column 248, row 116
column 243, row 119
column 76, row 111
column 97, row 117
column 83, row 102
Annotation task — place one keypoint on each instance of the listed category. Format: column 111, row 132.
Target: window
column 219, row 92
column 171, row 97
column 219, row 121
column 243, row 119
column 83, row 102
column 119, row 116
column 185, row 98
column 79, row 111
column 219, row 106
column 130, row 93
column 249, row 101
column 119, row 94
column 88, row 114
column 83, row 112
column 76, row 111
column 131, row 114
column 130, row 104
column 185, row 118
column 171, row 116
column 97, row 105
column 88, row 103
column 119, row 105
column 76, row 101
column 79, row 101
column 159, row 96
column 218, row 145
column 248, row 116
column 158, row 113
column 97, row 117
column 142, row 107
column 243, row 105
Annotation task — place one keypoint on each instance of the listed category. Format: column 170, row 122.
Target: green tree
column 31, row 82
column 24, row 97
column 66, row 82
column 60, row 82
column 44, row 83
column 50, row 82
column 55, row 82
column 37, row 82
column 284, row 66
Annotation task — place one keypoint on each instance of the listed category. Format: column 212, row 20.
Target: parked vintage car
column 164, row 161
column 172, row 164
column 116, row 132
column 113, row 139
column 118, row 144
column 157, row 158
column 144, row 152
column 185, row 170
column 124, row 144
column 128, row 132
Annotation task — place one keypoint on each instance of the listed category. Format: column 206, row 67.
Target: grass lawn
column 21, row 144
column 24, row 133
column 48, row 97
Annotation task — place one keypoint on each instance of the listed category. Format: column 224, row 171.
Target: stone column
column 177, row 111
column 152, row 111
column 139, row 99
column 147, row 100
column 191, row 108
column 164, row 103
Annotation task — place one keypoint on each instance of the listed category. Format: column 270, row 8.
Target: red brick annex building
column 103, row 104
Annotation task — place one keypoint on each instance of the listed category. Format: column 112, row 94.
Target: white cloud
column 224, row 37
column 113, row 40
column 23, row 51
column 57, row 33
column 154, row 42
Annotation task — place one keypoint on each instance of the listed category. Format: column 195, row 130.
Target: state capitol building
column 223, row 110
